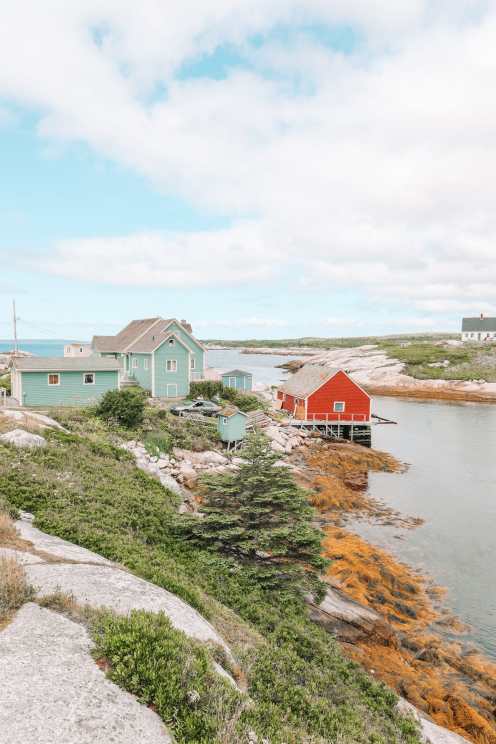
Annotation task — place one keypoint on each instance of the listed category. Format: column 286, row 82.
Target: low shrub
column 166, row 669
column 125, row 407
column 212, row 389
column 8, row 532
column 5, row 382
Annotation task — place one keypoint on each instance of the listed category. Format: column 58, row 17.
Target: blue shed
column 238, row 379
column 231, row 424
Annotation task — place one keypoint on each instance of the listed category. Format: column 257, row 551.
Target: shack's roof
column 140, row 336
column 229, row 411
column 237, row 373
column 308, row 379
column 480, row 325
column 65, row 364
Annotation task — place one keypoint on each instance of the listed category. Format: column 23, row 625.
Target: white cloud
column 379, row 178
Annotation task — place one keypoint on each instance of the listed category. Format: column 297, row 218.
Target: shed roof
column 308, row 379
column 481, row 325
column 65, row 364
column 229, row 411
column 236, row 372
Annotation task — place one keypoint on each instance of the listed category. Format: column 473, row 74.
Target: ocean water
column 48, row 347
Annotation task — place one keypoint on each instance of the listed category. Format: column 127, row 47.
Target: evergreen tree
column 261, row 518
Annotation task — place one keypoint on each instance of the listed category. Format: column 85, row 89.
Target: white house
column 77, row 349
column 479, row 329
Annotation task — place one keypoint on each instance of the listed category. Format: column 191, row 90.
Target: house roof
column 480, row 325
column 140, row 336
column 236, row 372
column 65, row 364
column 229, row 411
column 307, row 380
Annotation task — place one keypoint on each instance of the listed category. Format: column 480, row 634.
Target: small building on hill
column 479, row 329
column 232, row 425
column 238, row 379
column 63, row 381
column 77, row 349
column 319, row 393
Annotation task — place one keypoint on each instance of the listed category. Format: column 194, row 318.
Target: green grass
column 467, row 362
column 327, row 343
column 83, row 488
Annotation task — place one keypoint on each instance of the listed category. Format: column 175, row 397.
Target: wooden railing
column 345, row 418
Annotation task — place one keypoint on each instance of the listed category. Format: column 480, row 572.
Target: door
column 300, row 410
column 171, row 390
column 231, row 382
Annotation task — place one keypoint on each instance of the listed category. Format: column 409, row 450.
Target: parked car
column 205, row 407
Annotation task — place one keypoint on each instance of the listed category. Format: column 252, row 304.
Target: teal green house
column 238, row 379
column 63, row 381
column 160, row 354
column 232, row 425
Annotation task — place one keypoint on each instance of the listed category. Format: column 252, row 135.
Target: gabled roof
column 236, row 372
column 307, row 380
column 65, row 364
column 480, row 325
column 140, row 336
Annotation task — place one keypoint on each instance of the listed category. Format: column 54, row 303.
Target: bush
column 5, row 382
column 212, row 389
column 124, row 407
column 164, row 668
column 158, row 442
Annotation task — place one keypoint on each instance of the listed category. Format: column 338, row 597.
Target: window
column 171, row 365
column 80, row 349
column 339, row 406
column 192, row 363
column 89, row 378
column 135, row 363
column 224, row 420
column 171, row 342
column 145, row 363
column 54, row 378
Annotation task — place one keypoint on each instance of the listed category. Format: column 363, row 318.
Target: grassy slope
column 84, row 489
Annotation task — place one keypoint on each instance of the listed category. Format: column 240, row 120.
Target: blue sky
column 260, row 172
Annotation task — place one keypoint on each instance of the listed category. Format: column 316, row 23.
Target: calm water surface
column 451, row 484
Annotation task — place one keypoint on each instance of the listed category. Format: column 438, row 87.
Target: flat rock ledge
column 52, row 692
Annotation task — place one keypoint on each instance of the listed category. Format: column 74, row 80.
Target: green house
column 238, row 379
column 63, row 381
column 160, row 354
column 232, row 425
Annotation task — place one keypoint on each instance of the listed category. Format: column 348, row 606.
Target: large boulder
column 23, row 439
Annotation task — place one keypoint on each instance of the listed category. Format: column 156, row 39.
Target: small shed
column 232, row 425
column 319, row 393
column 238, row 379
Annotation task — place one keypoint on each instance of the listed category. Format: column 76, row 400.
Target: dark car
column 205, row 407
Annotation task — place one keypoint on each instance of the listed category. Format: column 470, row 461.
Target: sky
column 282, row 169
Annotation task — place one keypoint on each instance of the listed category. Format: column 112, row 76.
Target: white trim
column 145, row 363
column 153, row 375
column 192, row 361
column 167, row 386
column 164, row 340
column 135, row 340
column 339, row 403
column 134, row 363
column 94, row 378
column 20, row 400
column 225, row 420
column 235, row 386
column 53, row 384
column 171, row 361
column 193, row 338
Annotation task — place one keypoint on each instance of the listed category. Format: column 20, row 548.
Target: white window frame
column 134, row 363
column 172, row 342
column 224, row 420
column 229, row 382
column 53, row 374
column 145, row 363
column 173, row 365
column 192, row 363
column 339, row 403
column 89, row 373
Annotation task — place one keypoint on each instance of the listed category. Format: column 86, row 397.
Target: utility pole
column 15, row 327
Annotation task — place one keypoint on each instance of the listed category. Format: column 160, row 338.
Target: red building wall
column 339, row 388
column 288, row 402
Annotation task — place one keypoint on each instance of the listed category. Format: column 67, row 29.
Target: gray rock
column 57, row 547
column 20, row 556
column 52, row 692
column 23, row 439
column 430, row 731
column 108, row 586
column 169, row 482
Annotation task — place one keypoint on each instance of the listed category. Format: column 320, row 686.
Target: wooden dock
column 361, row 433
